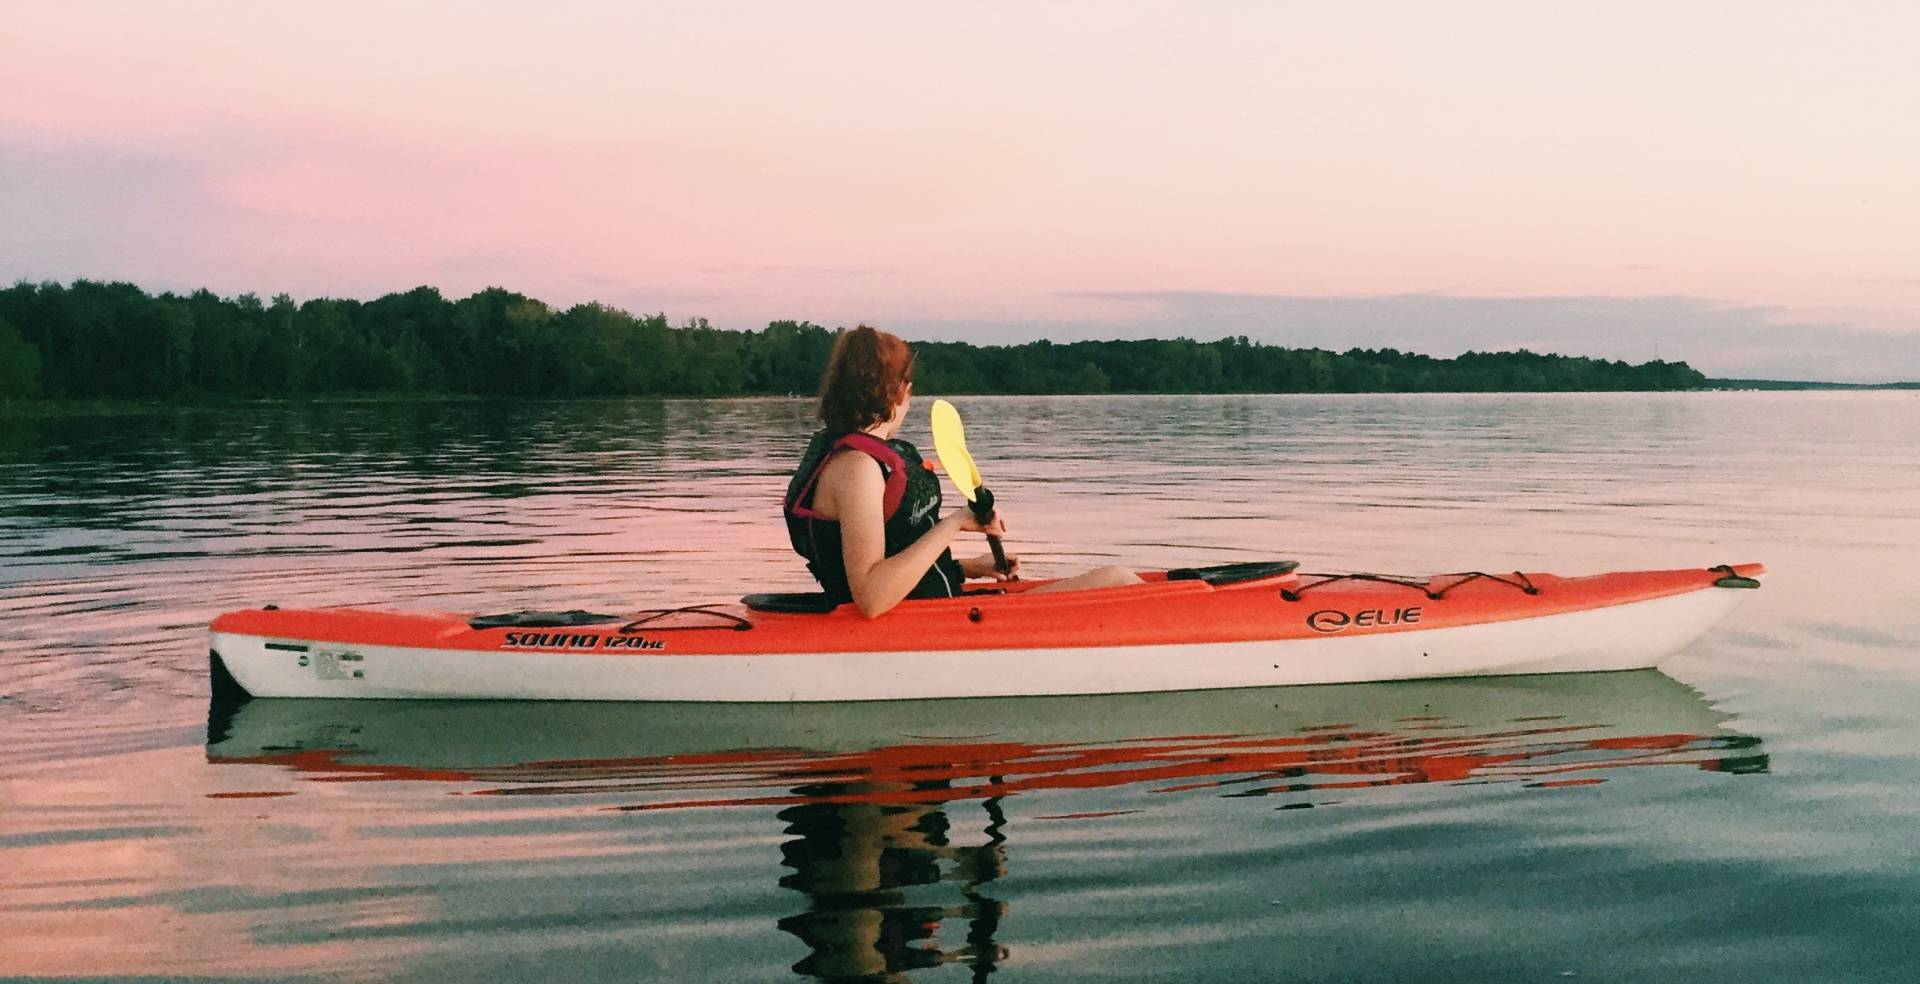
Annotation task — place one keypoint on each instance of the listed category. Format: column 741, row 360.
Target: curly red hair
column 868, row 372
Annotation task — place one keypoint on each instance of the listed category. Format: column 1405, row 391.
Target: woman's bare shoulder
column 848, row 476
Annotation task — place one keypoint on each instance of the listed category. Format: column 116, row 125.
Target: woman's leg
column 1099, row 577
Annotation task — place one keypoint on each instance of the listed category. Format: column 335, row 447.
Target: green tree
column 1088, row 379
column 19, row 364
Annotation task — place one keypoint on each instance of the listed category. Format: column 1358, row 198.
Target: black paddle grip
column 982, row 506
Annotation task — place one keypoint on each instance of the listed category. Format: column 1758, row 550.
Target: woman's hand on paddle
column 982, row 566
column 968, row 524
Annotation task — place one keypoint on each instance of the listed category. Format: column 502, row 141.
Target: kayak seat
column 1234, row 573
column 793, row 602
column 539, row 620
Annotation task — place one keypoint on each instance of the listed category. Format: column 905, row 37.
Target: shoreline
column 47, row 408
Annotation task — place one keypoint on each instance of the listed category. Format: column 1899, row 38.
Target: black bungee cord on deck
column 1519, row 581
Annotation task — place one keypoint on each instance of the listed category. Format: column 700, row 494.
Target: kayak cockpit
column 819, row 603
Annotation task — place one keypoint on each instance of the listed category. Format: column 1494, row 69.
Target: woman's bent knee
column 1111, row 576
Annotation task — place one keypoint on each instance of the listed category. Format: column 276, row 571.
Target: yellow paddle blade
column 950, row 443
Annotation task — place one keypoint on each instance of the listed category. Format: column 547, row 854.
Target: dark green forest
column 92, row 340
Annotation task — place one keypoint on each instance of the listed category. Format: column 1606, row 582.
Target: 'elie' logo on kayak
column 580, row 640
column 1330, row 620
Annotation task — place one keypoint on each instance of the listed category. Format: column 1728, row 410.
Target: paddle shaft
column 982, row 506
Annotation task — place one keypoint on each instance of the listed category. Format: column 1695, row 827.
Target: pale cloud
column 797, row 270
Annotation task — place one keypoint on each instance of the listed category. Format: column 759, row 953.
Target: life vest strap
column 873, row 447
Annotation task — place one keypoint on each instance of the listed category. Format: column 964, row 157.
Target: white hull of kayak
column 1634, row 635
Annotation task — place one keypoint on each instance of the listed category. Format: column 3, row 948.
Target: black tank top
column 818, row 539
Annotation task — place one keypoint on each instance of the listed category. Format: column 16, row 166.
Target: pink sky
column 1005, row 171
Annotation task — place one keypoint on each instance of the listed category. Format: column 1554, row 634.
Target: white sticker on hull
column 334, row 664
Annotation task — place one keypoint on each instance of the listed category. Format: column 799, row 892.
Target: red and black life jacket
column 910, row 506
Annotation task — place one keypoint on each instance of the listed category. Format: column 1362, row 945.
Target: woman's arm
column 852, row 491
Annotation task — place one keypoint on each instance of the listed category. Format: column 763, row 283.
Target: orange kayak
column 1242, row 625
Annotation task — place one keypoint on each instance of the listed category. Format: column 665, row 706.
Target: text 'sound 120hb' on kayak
column 1241, row 625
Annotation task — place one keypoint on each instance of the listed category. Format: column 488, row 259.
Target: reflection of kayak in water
column 1545, row 729
column 899, row 821
column 1252, row 625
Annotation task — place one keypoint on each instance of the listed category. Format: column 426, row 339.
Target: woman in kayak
column 863, row 508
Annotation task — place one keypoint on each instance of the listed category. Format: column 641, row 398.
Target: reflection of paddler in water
column 855, row 852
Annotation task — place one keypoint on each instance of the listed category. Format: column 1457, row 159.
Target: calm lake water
column 1746, row 814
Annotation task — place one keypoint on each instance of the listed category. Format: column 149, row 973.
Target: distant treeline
column 1803, row 384
column 96, row 340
